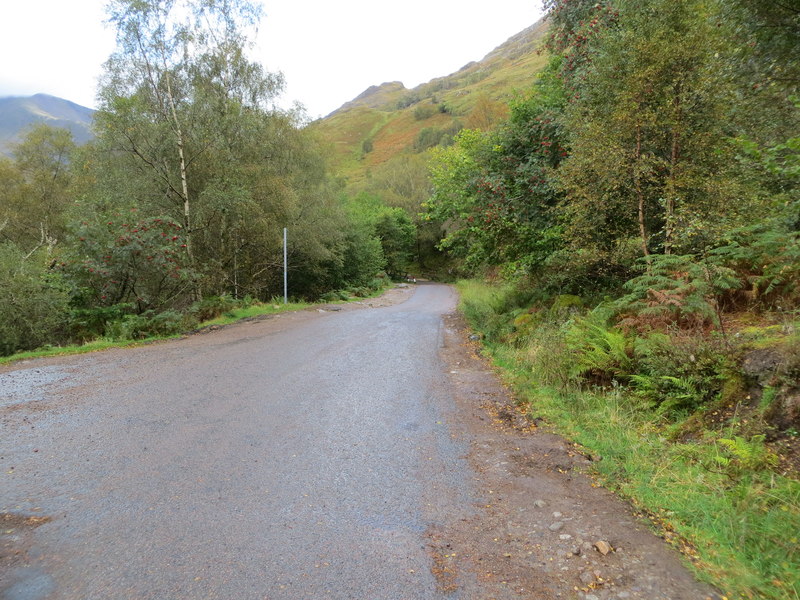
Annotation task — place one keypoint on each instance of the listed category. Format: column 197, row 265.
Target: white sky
column 329, row 50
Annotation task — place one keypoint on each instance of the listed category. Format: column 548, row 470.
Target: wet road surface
column 302, row 457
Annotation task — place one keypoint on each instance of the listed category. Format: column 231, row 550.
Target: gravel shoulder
column 544, row 529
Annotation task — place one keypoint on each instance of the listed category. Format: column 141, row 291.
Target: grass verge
column 713, row 496
column 231, row 316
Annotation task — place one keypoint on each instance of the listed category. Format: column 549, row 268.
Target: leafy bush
column 90, row 323
column 33, row 301
column 212, row 307
column 429, row 137
column 740, row 455
column 127, row 259
column 424, row 111
column 397, row 234
column 679, row 374
column 682, row 290
column 407, row 100
column 600, row 351
column 767, row 255
column 145, row 325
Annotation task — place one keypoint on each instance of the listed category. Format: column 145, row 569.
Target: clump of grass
column 254, row 310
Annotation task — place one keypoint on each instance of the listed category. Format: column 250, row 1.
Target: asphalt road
column 302, row 457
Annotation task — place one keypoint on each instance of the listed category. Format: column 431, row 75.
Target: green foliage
column 90, row 323
column 677, row 289
column 494, row 189
column 430, row 137
column 33, row 300
column 212, row 307
column 407, row 100
column 600, row 352
column 679, row 374
column 740, row 455
column 424, row 111
column 767, row 257
column 717, row 493
column 36, row 187
column 129, row 259
column 146, row 325
column 397, row 235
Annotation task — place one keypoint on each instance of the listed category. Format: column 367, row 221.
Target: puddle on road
column 28, row 385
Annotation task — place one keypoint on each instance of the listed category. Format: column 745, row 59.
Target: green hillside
column 389, row 120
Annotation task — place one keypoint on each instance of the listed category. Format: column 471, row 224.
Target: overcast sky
column 329, row 50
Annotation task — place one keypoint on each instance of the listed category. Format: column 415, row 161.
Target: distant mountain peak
column 375, row 96
column 388, row 121
column 20, row 113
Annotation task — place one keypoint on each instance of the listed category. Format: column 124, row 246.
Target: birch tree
column 174, row 100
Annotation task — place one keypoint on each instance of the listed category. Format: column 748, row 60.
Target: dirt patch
column 542, row 529
column 16, row 539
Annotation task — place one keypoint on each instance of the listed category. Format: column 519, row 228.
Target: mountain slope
column 17, row 114
column 389, row 120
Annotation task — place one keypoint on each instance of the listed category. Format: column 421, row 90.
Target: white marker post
column 285, row 270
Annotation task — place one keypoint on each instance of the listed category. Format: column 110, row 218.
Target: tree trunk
column 187, row 222
column 639, row 194
column 669, row 227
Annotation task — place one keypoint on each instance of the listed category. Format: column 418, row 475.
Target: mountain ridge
column 389, row 120
column 20, row 113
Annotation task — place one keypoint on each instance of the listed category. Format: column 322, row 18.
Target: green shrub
column 681, row 290
column 90, row 323
column 679, row 374
column 33, row 301
column 424, row 111
column 767, row 255
column 600, row 351
column 146, row 325
column 212, row 307
column 335, row 295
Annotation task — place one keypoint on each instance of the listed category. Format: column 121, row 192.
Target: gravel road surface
column 315, row 455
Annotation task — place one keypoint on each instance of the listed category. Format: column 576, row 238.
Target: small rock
column 565, row 536
column 603, row 547
column 556, row 515
column 556, row 526
column 540, row 504
column 474, row 337
column 586, row 578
